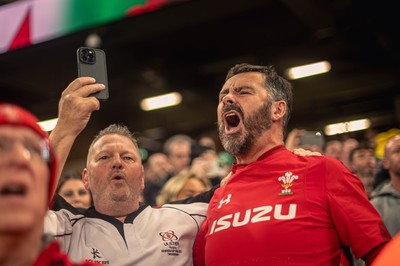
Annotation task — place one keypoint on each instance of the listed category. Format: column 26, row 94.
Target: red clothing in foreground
column 390, row 255
column 286, row 209
column 52, row 255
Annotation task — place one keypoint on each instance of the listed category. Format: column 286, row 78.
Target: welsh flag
column 28, row 22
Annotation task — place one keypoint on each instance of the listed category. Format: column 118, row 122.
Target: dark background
column 189, row 46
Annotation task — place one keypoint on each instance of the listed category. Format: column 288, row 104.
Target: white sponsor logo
column 225, row 201
column 255, row 215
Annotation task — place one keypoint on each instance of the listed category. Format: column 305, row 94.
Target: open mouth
column 117, row 177
column 232, row 121
column 13, row 190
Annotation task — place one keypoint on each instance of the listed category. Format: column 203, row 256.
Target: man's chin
column 20, row 222
column 120, row 196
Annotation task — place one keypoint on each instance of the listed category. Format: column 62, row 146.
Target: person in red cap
column 27, row 179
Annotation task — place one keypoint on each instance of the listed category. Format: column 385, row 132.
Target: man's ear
column 278, row 110
column 142, row 186
column 85, row 179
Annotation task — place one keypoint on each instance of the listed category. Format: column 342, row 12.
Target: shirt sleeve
column 356, row 220
column 58, row 224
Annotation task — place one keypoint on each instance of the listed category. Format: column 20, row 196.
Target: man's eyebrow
column 224, row 90
column 243, row 87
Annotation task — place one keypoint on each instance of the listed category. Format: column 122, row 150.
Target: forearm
column 74, row 111
column 62, row 143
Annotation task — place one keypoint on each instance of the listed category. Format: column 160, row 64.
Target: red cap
column 14, row 115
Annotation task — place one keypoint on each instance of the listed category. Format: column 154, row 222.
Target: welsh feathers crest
column 287, row 180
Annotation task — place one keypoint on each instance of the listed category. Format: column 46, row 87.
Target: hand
column 303, row 152
column 225, row 179
column 75, row 107
column 292, row 140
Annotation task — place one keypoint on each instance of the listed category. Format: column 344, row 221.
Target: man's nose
column 117, row 162
column 228, row 99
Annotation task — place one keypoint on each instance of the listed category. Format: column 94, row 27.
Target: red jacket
column 52, row 255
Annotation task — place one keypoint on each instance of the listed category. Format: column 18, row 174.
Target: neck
column 118, row 210
column 264, row 143
column 19, row 248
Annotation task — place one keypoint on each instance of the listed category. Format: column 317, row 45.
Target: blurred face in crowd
column 114, row 172
column 159, row 165
column 391, row 160
column 364, row 165
column 192, row 187
column 179, row 155
column 243, row 112
column 364, row 162
column 24, row 179
column 334, row 149
column 74, row 192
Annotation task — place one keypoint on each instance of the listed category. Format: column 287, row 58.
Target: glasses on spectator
column 33, row 149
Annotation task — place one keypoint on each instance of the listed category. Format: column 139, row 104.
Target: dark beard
column 241, row 142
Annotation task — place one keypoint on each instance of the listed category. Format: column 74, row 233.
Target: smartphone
column 312, row 138
column 92, row 63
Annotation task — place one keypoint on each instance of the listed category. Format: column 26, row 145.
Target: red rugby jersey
column 286, row 209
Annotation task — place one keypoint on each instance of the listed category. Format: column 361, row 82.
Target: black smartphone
column 92, row 63
column 312, row 138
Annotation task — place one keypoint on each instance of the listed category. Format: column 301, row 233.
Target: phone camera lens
column 91, row 56
column 84, row 51
column 84, row 58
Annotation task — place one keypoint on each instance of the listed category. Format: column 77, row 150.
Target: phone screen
column 312, row 138
column 92, row 63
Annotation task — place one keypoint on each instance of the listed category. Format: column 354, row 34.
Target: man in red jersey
column 279, row 208
column 27, row 180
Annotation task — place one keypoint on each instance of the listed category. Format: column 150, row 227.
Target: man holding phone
column 118, row 230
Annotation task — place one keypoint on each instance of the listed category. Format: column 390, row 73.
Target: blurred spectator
column 71, row 188
column 381, row 176
column 207, row 141
column 178, row 150
column 386, row 197
column 381, row 139
column 334, row 148
column 363, row 164
column 182, row 186
column 348, row 145
column 157, row 171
